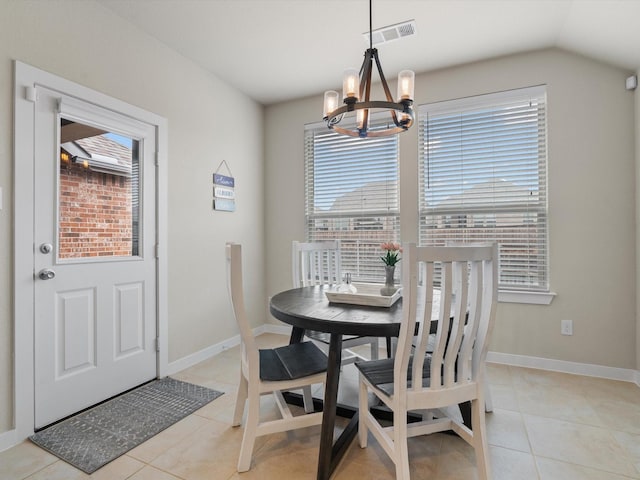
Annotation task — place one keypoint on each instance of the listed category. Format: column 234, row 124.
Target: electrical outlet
column 566, row 327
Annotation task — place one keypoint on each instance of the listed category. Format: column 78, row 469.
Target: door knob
column 46, row 274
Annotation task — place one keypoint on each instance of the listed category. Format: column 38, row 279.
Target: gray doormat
column 101, row 434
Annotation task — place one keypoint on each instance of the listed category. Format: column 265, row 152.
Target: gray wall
column 85, row 43
column 637, row 124
column 591, row 200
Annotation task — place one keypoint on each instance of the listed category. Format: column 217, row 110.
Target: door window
column 98, row 194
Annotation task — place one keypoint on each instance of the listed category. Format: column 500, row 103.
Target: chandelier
column 356, row 90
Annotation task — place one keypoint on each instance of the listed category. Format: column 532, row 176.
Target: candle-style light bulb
column 331, row 98
column 360, row 118
column 406, row 82
column 351, row 84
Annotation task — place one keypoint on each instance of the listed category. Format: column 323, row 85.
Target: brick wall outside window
column 95, row 213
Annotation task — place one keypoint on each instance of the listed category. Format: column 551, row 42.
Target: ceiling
column 276, row 50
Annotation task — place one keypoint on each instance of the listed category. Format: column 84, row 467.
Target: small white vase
column 389, row 287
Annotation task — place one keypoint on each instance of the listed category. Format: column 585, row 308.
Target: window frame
column 378, row 223
column 468, row 110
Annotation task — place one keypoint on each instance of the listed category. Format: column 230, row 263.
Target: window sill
column 535, row 298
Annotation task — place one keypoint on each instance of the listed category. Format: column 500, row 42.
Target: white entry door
column 94, row 254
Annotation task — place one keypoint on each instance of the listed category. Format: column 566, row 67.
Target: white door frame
column 27, row 79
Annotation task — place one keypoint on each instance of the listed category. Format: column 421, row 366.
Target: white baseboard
column 202, row 355
column 563, row 366
column 7, row 440
column 206, row 353
column 590, row 370
column 279, row 329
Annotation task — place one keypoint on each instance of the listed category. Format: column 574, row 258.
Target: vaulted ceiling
column 275, row 50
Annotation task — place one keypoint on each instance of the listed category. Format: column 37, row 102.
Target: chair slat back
column 315, row 263
column 464, row 296
column 236, row 293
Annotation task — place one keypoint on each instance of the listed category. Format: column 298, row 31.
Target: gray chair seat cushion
column 380, row 373
column 292, row 361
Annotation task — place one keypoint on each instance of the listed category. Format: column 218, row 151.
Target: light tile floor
column 545, row 425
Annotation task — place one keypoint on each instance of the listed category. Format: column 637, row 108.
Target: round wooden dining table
column 308, row 308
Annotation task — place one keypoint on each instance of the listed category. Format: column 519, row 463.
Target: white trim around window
column 352, row 194
column 483, row 178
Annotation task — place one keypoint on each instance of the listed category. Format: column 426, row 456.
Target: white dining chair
column 454, row 372
column 265, row 371
column 488, row 402
column 320, row 263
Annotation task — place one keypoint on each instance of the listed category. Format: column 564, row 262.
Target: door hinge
column 157, row 158
column 31, row 94
column 157, row 344
column 157, row 250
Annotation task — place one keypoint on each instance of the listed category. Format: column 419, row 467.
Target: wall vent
column 391, row 32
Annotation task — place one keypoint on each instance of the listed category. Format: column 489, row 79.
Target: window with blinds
column 351, row 187
column 483, row 177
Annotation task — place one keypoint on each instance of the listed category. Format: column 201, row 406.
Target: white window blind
column 351, row 187
column 483, row 177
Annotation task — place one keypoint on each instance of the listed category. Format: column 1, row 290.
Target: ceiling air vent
column 391, row 32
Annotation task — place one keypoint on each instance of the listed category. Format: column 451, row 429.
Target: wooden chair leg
column 375, row 350
column 250, row 429
column 241, row 399
column 307, row 399
column 480, row 439
column 488, row 403
column 363, row 407
column 400, row 445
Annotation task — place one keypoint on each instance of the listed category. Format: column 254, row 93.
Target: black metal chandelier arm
column 371, row 133
column 367, row 94
column 365, row 77
column 333, row 120
column 383, row 80
column 405, row 107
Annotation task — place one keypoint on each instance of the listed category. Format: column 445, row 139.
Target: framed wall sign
column 224, row 205
column 224, row 194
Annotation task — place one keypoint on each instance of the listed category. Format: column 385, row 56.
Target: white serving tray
column 367, row 294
